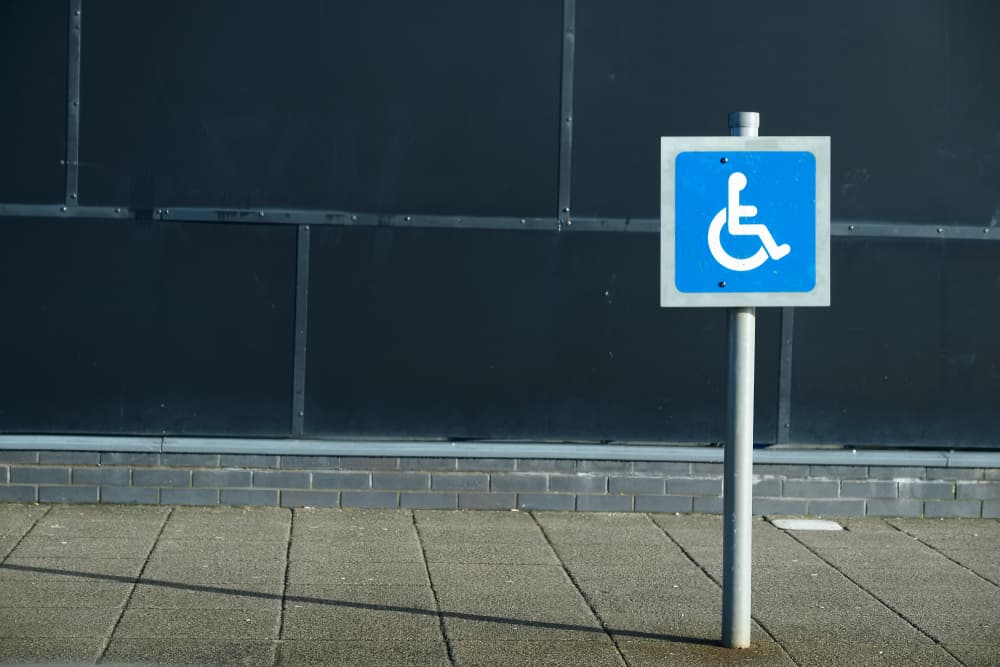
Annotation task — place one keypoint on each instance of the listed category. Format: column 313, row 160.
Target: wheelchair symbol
column 730, row 217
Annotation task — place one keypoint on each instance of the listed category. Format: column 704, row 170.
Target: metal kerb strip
column 301, row 331
column 488, row 449
column 566, row 110
column 72, row 162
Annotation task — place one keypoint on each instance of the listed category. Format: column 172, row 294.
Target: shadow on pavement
column 362, row 605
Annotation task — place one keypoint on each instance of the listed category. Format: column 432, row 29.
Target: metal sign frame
column 670, row 148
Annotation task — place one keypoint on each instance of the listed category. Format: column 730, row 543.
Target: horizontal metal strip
column 874, row 229
column 82, row 443
column 858, row 228
column 508, row 450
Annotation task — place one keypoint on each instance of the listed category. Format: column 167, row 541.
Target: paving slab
column 537, row 553
column 199, row 624
column 795, row 592
column 220, row 549
column 342, row 532
column 682, row 625
column 44, row 546
column 874, row 587
column 108, row 569
column 657, row 653
column 249, row 524
column 498, row 520
column 316, row 520
column 652, row 555
column 186, row 595
column 943, row 599
column 354, row 623
column 488, row 575
column 15, row 650
column 418, row 599
column 382, row 574
column 63, row 622
column 461, row 533
column 416, row 653
column 96, row 594
column 520, row 626
column 598, row 528
column 199, row 570
column 805, row 592
column 511, row 600
column 166, row 651
column 976, row 655
column 820, row 652
column 398, row 549
column 101, row 521
column 16, row 520
column 580, row 653
column 479, row 527
column 971, row 542
column 7, row 545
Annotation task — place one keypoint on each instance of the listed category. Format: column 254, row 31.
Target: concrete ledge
column 497, row 450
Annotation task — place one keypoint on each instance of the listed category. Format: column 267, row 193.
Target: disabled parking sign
column 745, row 221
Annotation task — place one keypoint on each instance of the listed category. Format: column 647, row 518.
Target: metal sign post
column 737, row 487
column 745, row 222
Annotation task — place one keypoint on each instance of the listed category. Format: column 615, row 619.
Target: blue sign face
column 745, row 221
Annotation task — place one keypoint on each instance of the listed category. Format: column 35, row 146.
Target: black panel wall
column 389, row 106
column 374, row 121
column 478, row 334
column 906, row 88
column 908, row 351
column 33, row 71
column 114, row 327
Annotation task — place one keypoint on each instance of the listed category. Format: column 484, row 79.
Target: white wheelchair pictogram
column 730, row 218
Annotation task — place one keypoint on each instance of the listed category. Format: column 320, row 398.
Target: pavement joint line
column 878, row 599
column 430, row 579
column 131, row 592
column 580, row 591
column 942, row 554
column 284, row 587
column 26, row 533
column 718, row 585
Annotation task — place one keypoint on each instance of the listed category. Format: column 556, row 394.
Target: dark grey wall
column 124, row 321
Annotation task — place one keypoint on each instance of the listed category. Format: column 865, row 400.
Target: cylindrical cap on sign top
column 744, row 123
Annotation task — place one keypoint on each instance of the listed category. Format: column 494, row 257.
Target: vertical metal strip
column 72, row 162
column 566, row 109
column 785, row 376
column 301, row 328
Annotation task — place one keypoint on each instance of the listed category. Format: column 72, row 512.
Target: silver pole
column 738, row 463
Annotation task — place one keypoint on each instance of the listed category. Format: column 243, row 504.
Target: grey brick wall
column 518, row 482
column 489, row 484
column 546, row 501
column 429, row 501
column 460, row 481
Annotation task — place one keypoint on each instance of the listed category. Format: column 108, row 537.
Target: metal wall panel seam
column 301, row 330
column 784, row 425
column 860, row 229
column 566, row 110
column 72, row 161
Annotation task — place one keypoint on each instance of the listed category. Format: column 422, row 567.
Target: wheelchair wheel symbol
column 730, row 217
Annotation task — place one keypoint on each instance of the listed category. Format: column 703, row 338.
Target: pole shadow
column 504, row 620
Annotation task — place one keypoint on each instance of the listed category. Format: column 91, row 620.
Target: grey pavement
column 274, row 586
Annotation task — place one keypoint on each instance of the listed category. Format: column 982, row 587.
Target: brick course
column 497, row 484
